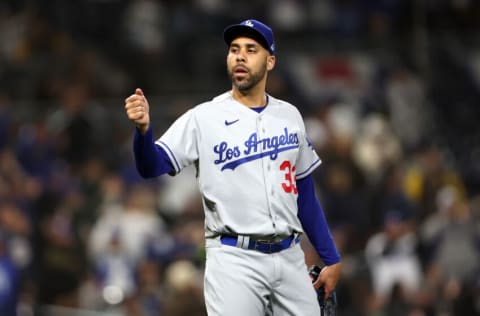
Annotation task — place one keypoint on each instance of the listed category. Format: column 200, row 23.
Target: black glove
column 328, row 307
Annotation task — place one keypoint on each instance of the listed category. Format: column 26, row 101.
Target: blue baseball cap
column 252, row 29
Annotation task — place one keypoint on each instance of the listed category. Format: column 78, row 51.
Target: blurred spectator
column 10, row 281
column 112, row 189
column 408, row 106
column 16, row 228
column 287, row 15
column 180, row 194
column 62, row 260
column 135, row 224
column 185, row 282
column 13, row 27
column 426, row 174
column 115, row 271
column 321, row 14
column 341, row 182
column 349, row 18
column 36, row 150
column 387, row 17
column 71, row 125
column 144, row 23
column 91, row 174
column 376, row 148
column 393, row 262
column 151, row 290
column 105, row 79
column 452, row 240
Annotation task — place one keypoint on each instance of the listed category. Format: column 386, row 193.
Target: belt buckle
column 265, row 243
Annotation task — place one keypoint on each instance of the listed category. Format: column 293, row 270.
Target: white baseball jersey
column 247, row 164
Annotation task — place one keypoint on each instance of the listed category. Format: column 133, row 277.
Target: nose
column 240, row 57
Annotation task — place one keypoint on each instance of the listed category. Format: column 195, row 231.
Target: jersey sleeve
column 180, row 141
column 307, row 159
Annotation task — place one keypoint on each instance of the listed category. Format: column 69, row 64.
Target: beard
column 250, row 80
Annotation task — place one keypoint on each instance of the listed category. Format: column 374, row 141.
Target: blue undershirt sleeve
column 314, row 222
column 150, row 159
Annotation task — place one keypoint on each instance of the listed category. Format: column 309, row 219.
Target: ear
column 270, row 62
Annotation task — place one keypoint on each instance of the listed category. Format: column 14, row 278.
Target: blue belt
column 265, row 246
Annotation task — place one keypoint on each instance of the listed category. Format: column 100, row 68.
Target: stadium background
column 390, row 93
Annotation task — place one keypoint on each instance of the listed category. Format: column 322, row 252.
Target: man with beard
column 254, row 165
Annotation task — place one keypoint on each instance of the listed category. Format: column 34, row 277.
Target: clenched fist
column 137, row 109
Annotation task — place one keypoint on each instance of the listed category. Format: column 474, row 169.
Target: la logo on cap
column 248, row 23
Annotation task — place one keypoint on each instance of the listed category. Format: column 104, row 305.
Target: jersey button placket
column 261, row 131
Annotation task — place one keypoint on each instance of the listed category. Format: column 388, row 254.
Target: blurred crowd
column 389, row 91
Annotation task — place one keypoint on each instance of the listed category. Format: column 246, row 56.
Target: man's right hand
column 137, row 109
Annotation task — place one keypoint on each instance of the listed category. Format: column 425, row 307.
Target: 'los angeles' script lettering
column 254, row 148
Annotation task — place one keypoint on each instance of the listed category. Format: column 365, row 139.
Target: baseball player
column 254, row 165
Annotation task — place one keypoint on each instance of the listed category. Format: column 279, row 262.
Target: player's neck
column 252, row 98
